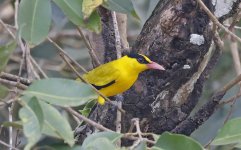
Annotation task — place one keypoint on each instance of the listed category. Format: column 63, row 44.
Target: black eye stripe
column 142, row 60
column 139, row 58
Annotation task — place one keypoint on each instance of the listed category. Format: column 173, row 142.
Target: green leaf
column 73, row 10
column 59, row 147
column 88, row 6
column 85, row 112
column 3, row 91
column 34, row 20
column 168, row 141
column 50, row 131
column 238, row 146
column 122, row 6
column 34, row 113
column 230, row 133
column 100, row 144
column 88, row 107
column 57, row 124
column 155, row 136
column 15, row 124
column 62, row 92
column 5, row 52
column 111, row 136
column 31, row 125
column 93, row 23
column 35, row 106
column 141, row 146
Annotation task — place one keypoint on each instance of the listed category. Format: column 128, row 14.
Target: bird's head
column 143, row 62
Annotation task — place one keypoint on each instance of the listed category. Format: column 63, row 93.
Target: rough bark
column 191, row 123
column 162, row 100
column 104, row 44
column 166, row 39
column 234, row 10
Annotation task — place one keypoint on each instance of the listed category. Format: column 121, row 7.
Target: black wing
column 103, row 86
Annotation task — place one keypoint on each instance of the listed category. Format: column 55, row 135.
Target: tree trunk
column 163, row 99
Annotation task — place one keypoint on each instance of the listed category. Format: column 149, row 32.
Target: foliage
column 80, row 12
column 37, row 112
column 33, row 29
column 5, row 52
column 61, row 92
column 168, row 141
column 42, row 103
column 230, row 133
column 40, row 117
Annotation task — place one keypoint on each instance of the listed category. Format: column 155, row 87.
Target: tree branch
column 192, row 123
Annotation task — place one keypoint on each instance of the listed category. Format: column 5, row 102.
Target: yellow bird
column 119, row 75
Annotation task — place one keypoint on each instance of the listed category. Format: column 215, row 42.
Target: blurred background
column 66, row 35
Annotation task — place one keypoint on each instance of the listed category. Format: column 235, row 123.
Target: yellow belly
column 122, row 84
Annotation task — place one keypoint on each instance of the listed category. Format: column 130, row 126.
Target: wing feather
column 103, row 75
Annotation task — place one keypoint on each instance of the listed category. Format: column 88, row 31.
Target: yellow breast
column 115, row 77
column 123, row 83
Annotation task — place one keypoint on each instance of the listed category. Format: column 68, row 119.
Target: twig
column 215, row 20
column 27, row 62
column 191, row 123
column 118, row 53
column 12, row 77
column 131, row 127
column 78, row 121
column 119, row 98
column 23, row 55
column 63, row 52
column 135, row 121
column 16, row 6
column 230, row 99
column 122, row 25
column 117, row 34
column 236, row 19
column 207, row 145
column 92, row 123
column 235, row 55
column 11, row 107
column 127, row 136
column 233, row 100
column 91, row 51
column 237, row 65
column 14, row 84
column 64, row 33
column 7, row 145
column 143, row 134
column 118, row 116
column 137, row 124
column 9, row 31
column 10, row 119
column 235, row 27
column 8, row 102
column 16, row 139
column 30, row 69
column 101, row 127
column 38, row 67
column 79, row 76
column 231, row 83
column 229, row 112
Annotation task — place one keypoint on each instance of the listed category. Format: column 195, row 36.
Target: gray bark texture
column 163, row 100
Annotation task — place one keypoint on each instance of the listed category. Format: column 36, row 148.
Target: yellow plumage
column 119, row 75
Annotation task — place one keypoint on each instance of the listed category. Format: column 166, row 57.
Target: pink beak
column 154, row 65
